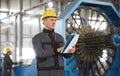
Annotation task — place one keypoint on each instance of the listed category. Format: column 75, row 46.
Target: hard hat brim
column 49, row 16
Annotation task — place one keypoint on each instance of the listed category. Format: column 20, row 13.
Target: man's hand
column 59, row 49
column 72, row 50
column 8, row 70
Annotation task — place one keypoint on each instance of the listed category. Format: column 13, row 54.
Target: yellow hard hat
column 49, row 13
column 8, row 50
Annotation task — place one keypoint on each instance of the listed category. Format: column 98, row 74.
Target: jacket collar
column 48, row 31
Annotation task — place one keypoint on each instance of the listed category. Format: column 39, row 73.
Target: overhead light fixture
column 50, row 4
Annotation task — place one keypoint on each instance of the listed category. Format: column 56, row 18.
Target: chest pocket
column 45, row 44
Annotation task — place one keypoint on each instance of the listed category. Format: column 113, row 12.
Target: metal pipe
column 39, row 25
column 20, row 25
column 58, row 7
column 15, row 44
column 0, row 31
column 0, row 39
column 7, row 30
column 4, row 11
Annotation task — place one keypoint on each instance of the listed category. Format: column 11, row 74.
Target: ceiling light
column 50, row 4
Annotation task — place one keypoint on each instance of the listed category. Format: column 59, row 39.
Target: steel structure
column 98, row 48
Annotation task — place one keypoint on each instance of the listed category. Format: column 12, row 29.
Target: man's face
column 10, row 53
column 49, row 23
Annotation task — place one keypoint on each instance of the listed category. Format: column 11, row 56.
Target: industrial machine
column 98, row 48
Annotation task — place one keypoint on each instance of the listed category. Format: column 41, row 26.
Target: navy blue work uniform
column 49, row 61
column 7, row 65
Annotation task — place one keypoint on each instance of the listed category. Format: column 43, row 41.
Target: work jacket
column 7, row 62
column 45, row 48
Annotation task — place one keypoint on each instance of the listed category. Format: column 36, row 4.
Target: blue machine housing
column 113, row 16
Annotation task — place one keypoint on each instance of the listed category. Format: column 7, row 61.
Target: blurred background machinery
column 97, row 22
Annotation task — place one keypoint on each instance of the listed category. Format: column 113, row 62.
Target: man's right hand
column 59, row 49
column 8, row 70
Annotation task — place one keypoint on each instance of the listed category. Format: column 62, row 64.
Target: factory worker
column 48, row 45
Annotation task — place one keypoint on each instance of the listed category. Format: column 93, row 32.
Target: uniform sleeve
column 62, row 43
column 40, row 52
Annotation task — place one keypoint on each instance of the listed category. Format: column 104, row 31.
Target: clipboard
column 72, row 40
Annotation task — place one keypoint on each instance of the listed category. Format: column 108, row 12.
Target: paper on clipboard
column 72, row 40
